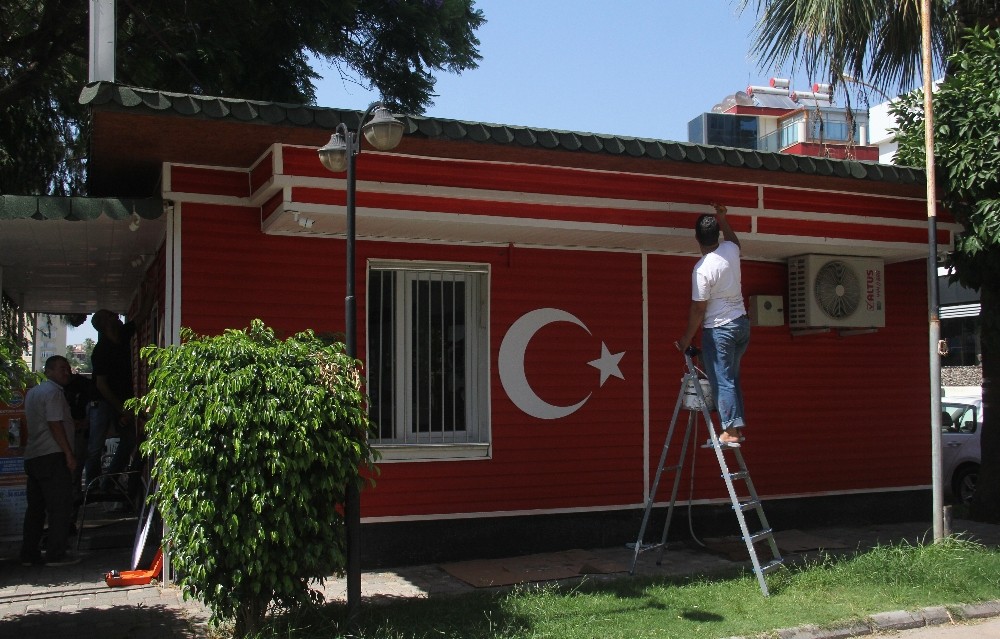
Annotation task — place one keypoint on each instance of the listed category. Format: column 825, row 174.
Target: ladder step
column 750, row 505
column 772, row 565
column 743, row 474
column 764, row 534
column 644, row 547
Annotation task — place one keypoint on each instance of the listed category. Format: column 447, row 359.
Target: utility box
column 767, row 310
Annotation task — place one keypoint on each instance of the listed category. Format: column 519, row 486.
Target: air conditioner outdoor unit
column 836, row 292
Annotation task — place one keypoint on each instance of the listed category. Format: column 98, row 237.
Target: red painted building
column 519, row 292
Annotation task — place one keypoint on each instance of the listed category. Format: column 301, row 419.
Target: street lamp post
column 384, row 133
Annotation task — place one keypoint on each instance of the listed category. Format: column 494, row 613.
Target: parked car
column 961, row 426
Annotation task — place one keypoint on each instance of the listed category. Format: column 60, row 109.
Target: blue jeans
column 99, row 413
column 722, row 350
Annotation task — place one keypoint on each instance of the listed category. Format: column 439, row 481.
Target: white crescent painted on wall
column 511, row 363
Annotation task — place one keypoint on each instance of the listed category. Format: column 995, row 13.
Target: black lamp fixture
column 383, row 132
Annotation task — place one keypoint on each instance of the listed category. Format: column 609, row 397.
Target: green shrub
column 254, row 442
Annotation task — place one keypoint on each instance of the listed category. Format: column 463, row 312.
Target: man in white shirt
column 49, row 463
column 717, row 308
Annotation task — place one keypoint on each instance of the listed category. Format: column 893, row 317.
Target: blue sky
column 630, row 67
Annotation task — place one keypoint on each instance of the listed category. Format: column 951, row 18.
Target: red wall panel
column 826, row 413
column 587, row 459
column 522, row 210
column 194, row 179
column 856, row 231
column 386, row 167
column 233, row 273
column 783, row 199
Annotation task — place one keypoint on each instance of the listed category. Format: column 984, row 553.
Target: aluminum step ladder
column 692, row 398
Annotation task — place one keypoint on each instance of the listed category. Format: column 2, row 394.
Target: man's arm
column 727, row 231
column 695, row 317
column 145, row 305
column 59, row 435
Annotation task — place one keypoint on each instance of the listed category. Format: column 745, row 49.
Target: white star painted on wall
column 608, row 364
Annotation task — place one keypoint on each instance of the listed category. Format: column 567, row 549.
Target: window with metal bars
column 428, row 353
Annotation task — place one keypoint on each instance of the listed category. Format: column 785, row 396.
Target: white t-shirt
column 43, row 404
column 716, row 278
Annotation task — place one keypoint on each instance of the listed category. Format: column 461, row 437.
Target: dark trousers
column 50, row 492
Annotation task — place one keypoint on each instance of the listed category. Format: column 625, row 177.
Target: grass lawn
column 823, row 592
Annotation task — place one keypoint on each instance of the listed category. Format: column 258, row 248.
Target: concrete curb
column 891, row 621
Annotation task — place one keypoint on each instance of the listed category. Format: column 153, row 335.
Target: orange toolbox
column 136, row 577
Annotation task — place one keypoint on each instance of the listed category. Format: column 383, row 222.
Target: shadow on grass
column 469, row 616
column 509, row 612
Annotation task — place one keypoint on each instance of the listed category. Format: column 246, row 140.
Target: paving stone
column 897, row 620
column 980, row 610
column 936, row 615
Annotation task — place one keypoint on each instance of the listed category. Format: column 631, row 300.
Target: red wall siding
column 524, row 178
column 783, row 199
column 881, row 233
column 528, row 211
column 233, row 273
column 590, row 458
column 825, row 413
column 199, row 179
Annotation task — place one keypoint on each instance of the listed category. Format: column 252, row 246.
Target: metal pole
column 352, row 500
column 932, row 304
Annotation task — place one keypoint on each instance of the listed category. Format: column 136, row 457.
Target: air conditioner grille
column 835, row 291
column 838, row 290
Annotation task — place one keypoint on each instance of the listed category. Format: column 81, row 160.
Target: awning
column 76, row 254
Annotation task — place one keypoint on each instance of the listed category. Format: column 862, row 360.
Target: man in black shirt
column 111, row 361
column 79, row 394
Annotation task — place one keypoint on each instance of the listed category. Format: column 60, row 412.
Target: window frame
column 477, row 369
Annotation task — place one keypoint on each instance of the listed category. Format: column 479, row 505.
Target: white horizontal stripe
column 960, row 310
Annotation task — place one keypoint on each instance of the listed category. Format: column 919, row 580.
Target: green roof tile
column 105, row 93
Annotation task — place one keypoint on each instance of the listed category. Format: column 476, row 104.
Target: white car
column 961, row 425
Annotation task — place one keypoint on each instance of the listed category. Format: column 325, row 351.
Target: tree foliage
column 830, row 37
column 255, row 441
column 874, row 41
column 15, row 375
column 79, row 360
column 249, row 49
column 967, row 154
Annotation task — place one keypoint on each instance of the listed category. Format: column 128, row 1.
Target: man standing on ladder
column 717, row 307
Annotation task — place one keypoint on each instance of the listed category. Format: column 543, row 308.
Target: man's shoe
column 65, row 559
column 32, row 561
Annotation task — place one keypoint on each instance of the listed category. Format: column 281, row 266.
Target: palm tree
column 873, row 41
column 878, row 42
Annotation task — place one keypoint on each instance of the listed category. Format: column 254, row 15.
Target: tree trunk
column 986, row 500
column 250, row 618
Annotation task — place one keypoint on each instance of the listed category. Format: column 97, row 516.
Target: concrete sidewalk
column 39, row 602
